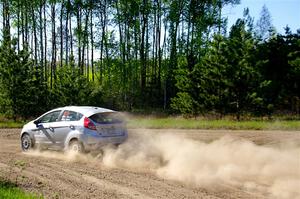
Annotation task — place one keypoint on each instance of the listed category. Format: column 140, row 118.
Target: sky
column 283, row 12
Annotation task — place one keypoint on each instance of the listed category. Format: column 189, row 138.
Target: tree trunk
column 103, row 38
column 85, row 39
column 26, row 27
column 142, row 49
column 67, row 31
column 41, row 38
column 106, row 42
column 71, row 41
column 53, row 60
column 22, row 26
column 158, row 32
column 6, row 20
column 79, row 34
column 92, row 45
column 61, row 33
column 18, row 24
column 34, row 37
column 45, row 39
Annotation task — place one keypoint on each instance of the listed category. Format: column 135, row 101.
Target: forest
column 172, row 56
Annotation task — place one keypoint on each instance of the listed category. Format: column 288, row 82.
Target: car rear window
column 107, row 118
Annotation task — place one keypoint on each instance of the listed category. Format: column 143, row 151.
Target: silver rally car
column 76, row 128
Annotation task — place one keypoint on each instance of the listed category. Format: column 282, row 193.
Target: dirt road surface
column 163, row 164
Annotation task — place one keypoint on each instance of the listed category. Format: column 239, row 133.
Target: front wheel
column 26, row 143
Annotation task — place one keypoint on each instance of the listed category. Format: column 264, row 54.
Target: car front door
column 45, row 131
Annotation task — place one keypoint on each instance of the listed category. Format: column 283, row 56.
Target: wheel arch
column 72, row 140
column 28, row 145
column 73, row 135
column 78, row 141
column 30, row 135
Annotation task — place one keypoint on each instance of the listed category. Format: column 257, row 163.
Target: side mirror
column 37, row 122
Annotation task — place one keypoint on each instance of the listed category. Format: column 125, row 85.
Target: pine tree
column 264, row 27
column 20, row 89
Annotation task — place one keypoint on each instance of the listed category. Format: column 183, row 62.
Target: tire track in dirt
column 49, row 183
column 101, row 184
column 117, row 180
column 57, row 175
column 88, row 178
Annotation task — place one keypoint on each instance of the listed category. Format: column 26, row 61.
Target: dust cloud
column 228, row 161
column 268, row 171
column 68, row 156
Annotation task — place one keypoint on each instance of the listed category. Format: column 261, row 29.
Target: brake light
column 87, row 123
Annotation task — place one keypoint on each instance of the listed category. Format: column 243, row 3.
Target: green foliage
column 210, row 77
column 71, row 88
column 11, row 191
column 242, row 70
column 12, row 124
column 281, row 71
column 228, row 78
column 153, row 55
column 183, row 103
column 194, row 123
column 21, row 90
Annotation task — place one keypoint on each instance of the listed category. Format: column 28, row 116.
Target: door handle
column 51, row 129
column 72, row 127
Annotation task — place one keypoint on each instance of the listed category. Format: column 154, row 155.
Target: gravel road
column 163, row 164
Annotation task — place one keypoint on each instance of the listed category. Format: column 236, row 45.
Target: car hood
column 29, row 125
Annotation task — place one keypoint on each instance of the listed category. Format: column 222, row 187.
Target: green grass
column 9, row 190
column 11, row 124
column 199, row 123
column 182, row 123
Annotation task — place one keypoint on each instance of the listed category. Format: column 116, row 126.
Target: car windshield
column 107, row 118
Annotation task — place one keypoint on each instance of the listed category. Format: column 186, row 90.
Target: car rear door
column 67, row 123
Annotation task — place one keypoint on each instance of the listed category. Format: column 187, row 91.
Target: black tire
column 76, row 147
column 26, row 143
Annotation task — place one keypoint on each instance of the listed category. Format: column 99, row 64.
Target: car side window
column 71, row 116
column 50, row 117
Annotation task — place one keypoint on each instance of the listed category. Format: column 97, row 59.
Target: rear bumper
column 94, row 141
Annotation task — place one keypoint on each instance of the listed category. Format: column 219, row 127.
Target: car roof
column 86, row 110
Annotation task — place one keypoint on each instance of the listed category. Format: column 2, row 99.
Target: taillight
column 87, row 123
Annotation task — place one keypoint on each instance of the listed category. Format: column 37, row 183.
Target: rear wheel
column 76, row 147
column 26, row 143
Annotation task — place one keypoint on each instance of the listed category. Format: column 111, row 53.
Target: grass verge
column 9, row 190
column 11, row 124
column 202, row 123
column 182, row 123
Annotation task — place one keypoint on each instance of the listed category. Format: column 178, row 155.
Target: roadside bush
column 183, row 103
column 70, row 88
